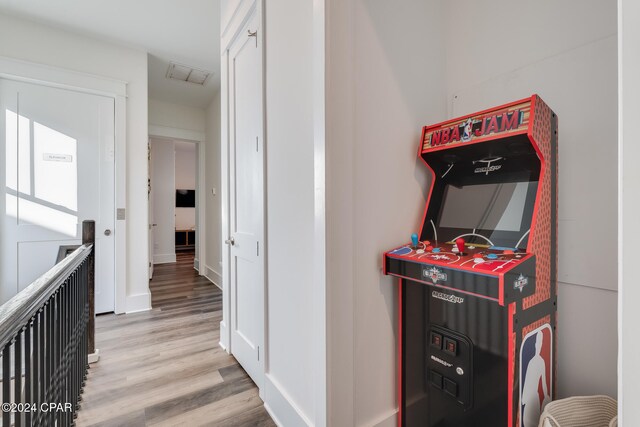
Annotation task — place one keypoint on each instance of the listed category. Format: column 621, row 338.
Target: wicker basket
column 581, row 411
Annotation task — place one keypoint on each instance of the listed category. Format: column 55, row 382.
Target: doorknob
column 230, row 241
column 107, row 232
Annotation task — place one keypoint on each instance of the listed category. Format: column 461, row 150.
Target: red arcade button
column 436, row 340
column 450, row 346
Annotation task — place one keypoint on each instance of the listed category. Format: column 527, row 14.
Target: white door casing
column 58, row 171
column 152, row 225
column 246, row 199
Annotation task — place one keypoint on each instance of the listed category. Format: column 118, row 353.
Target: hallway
column 164, row 367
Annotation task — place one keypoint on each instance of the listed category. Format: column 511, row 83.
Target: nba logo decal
column 535, row 374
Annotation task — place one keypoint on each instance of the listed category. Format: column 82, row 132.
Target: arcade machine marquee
column 477, row 284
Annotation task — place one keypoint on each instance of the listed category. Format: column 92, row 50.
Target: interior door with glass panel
column 58, row 170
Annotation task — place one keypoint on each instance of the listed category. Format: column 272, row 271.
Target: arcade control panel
column 497, row 273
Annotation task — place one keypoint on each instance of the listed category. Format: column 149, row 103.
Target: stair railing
column 46, row 334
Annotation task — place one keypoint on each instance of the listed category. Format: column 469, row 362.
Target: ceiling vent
column 187, row 74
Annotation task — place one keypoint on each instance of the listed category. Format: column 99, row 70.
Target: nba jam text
column 476, row 128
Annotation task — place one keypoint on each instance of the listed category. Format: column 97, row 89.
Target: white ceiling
column 186, row 31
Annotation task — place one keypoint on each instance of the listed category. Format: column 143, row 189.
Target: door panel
column 247, row 201
column 58, row 171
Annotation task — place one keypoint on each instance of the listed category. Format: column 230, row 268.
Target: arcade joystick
column 414, row 240
column 460, row 245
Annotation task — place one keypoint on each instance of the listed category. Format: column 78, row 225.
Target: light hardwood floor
column 164, row 367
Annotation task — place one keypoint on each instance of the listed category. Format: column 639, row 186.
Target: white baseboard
column 223, row 334
column 213, row 276
column 164, row 258
column 138, row 302
column 94, row 357
column 388, row 421
column 280, row 406
column 272, row 415
column 196, row 265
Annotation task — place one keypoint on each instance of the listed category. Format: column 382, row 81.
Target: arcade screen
column 499, row 207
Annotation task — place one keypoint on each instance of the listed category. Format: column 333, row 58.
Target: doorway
column 58, row 171
column 175, row 200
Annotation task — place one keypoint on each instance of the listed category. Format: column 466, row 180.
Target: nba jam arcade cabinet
column 477, row 285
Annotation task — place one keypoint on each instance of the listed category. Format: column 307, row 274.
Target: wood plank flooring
column 164, row 367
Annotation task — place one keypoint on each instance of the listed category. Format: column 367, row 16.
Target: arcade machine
column 477, row 284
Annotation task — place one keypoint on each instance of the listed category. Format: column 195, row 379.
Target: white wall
column 566, row 53
column 163, row 177
column 212, row 188
column 629, row 231
column 177, row 116
column 51, row 46
column 185, row 171
column 290, row 206
column 385, row 81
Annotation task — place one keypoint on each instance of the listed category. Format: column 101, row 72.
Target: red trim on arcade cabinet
column 543, row 168
column 501, row 289
column 511, row 364
column 384, row 263
column 433, row 183
column 400, row 352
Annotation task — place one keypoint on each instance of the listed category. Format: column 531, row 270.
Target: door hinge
column 257, row 248
column 256, row 144
column 258, row 353
column 253, row 34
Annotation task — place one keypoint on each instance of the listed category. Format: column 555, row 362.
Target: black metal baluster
column 51, row 310
column 31, row 416
column 6, row 383
column 17, row 378
column 66, row 385
column 67, row 368
column 74, row 322
column 60, row 377
column 56, row 361
column 79, row 322
column 43, row 373
column 27, row 372
column 72, row 355
column 77, row 342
